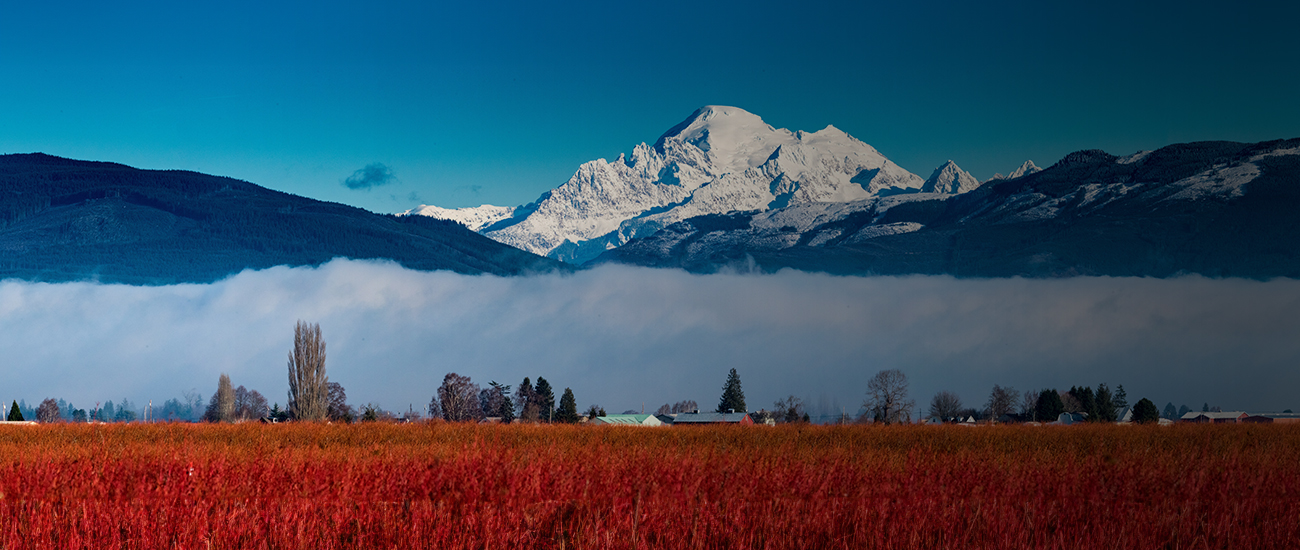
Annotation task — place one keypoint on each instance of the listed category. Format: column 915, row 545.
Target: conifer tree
column 544, row 397
column 1105, row 404
column 1049, row 406
column 524, row 399
column 505, row 408
column 568, row 411
column 15, row 415
column 1145, row 412
column 733, row 397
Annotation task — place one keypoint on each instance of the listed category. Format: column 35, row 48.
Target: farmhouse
column 646, row 420
column 1272, row 418
column 699, row 418
column 1066, row 419
column 1233, row 417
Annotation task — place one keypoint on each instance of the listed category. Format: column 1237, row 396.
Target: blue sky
column 496, row 102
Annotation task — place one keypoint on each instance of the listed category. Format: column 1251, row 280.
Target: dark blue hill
column 63, row 219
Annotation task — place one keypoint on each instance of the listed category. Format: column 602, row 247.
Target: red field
column 458, row 486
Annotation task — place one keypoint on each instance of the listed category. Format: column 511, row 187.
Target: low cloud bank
column 623, row 337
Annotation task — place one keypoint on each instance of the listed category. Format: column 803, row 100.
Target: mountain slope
column 64, row 219
column 1214, row 208
column 719, row 160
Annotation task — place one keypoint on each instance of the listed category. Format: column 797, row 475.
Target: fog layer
column 630, row 337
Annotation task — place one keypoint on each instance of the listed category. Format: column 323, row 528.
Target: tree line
column 313, row 397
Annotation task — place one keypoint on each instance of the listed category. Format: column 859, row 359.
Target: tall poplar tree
column 308, row 384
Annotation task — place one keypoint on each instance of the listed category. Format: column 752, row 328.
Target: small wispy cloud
column 374, row 174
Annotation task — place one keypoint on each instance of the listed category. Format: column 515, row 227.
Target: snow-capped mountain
column 1024, row 170
column 950, row 178
column 1214, row 208
column 718, row 161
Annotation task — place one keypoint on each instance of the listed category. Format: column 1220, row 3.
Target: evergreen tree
column 1120, row 399
column 1145, row 412
column 505, row 408
column 1087, row 403
column 1049, row 406
column 1171, row 412
column 278, row 415
column 15, row 415
column 1105, row 404
column 524, row 398
column 544, row 397
column 733, row 398
column 568, row 411
column 1182, row 410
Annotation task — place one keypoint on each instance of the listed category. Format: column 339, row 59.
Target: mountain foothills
column 724, row 190
column 66, row 220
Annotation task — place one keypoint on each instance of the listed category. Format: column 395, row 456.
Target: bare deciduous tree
column 1070, row 402
column 250, row 405
column 308, row 384
column 945, row 406
column 887, row 400
column 435, row 409
column 685, row 406
column 460, row 399
column 1029, row 404
column 1001, row 402
column 48, row 412
column 790, row 409
column 339, row 410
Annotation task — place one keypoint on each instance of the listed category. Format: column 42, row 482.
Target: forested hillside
column 63, row 219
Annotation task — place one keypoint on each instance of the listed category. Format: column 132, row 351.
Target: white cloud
column 622, row 336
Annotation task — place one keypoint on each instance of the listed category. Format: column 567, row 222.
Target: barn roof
column 709, row 418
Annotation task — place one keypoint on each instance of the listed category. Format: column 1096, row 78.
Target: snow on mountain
column 1025, row 169
column 1135, row 157
column 719, row 160
column 474, row 218
column 950, row 178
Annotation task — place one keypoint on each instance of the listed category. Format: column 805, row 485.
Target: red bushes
column 465, row 486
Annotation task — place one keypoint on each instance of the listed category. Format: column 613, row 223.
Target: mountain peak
column 949, row 178
column 1025, row 169
column 734, row 139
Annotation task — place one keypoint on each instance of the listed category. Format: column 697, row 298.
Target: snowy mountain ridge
column 1213, row 208
column 719, row 160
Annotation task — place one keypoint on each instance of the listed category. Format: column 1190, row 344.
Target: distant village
column 313, row 398
column 459, row 399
